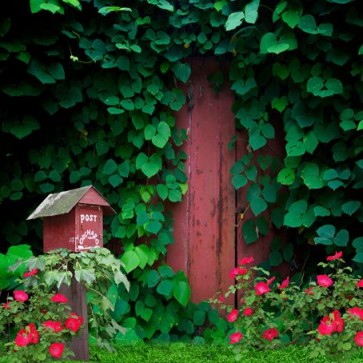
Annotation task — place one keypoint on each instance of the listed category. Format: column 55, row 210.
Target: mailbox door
column 89, row 228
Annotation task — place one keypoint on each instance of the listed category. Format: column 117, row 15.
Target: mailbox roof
column 64, row 202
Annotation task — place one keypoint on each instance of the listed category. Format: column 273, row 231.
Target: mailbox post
column 73, row 220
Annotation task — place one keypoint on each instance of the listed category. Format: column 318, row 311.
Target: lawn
column 188, row 353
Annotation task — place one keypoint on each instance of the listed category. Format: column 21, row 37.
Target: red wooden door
column 208, row 242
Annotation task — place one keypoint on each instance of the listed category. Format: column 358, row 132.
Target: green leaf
column 351, row 207
column 21, row 128
column 181, row 71
column 162, row 191
column 149, row 166
column 162, row 135
column 130, row 260
column 251, row 11
column 166, row 271
column 324, row 88
column 153, row 278
column 249, row 232
column 256, row 140
column 295, row 148
column 275, row 258
column 286, row 176
column 295, row 215
column 234, row 20
column 270, row 44
column 110, row 167
column 242, row 87
column 162, row 4
column 181, row 291
column 358, row 243
column 325, row 234
column 341, row 239
column 85, row 275
column 111, row 9
column 165, row 288
column 239, row 181
column 311, row 176
column 149, row 132
column 153, row 227
column 257, row 203
column 358, row 257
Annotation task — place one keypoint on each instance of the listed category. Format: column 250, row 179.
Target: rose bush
column 37, row 325
column 324, row 315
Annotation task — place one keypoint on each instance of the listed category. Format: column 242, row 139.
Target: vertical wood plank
column 204, row 222
column 77, row 299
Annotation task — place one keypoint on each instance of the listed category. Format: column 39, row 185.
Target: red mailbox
column 73, row 219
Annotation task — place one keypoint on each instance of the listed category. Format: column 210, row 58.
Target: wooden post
column 204, row 245
column 77, row 299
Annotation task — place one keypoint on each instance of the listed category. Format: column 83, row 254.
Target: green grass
column 193, row 353
column 188, row 353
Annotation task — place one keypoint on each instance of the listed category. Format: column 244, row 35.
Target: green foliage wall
column 88, row 93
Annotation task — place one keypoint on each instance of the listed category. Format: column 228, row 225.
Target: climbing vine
column 88, row 95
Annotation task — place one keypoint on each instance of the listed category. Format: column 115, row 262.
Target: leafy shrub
column 325, row 316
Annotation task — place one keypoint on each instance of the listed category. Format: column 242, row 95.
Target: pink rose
column 270, row 334
column 356, row 312
column 56, row 326
column 32, row 272
column 232, row 316
column 285, row 283
column 236, row 271
column 248, row 311
column 261, row 288
column 59, row 298
column 246, row 260
column 359, row 338
column 324, row 280
column 235, row 338
column 56, row 350
column 20, row 295
column 335, row 256
column 74, row 322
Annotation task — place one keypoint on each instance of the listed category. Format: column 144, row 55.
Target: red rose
column 26, row 336
column 232, row 316
column 235, row 338
column 325, row 327
column 270, row 334
column 359, row 338
column 56, row 326
column 248, row 312
column 59, row 298
column 237, row 271
column 32, row 272
column 20, row 295
column 7, row 305
column 246, row 260
column 356, row 312
column 74, row 322
column 285, row 283
column 22, row 339
column 56, row 350
column 335, row 256
column 360, row 283
column 324, row 280
column 263, row 287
